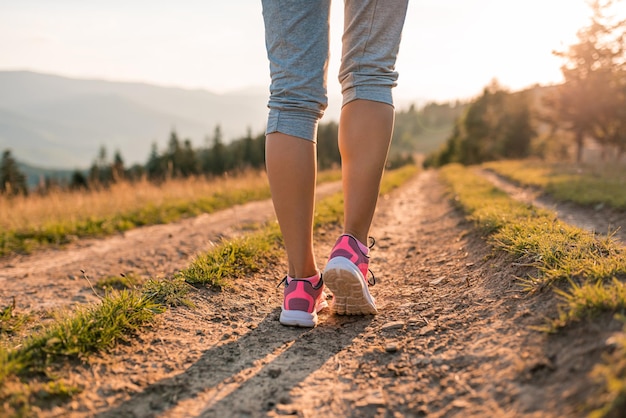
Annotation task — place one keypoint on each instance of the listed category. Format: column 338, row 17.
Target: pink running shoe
column 302, row 302
column 345, row 275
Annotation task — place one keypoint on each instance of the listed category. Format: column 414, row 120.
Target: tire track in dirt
column 452, row 339
column 602, row 220
column 52, row 278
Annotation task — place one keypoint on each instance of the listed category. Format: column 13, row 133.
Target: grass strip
column 235, row 258
column 63, row 232
column 588, row 185
column 10, row 321
column 561, row 253
column 591, row 269
column 87, row 330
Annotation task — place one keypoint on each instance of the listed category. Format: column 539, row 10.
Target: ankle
column 313, row 279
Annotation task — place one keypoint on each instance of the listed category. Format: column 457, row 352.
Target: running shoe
column 345, row 275
column 302, row 302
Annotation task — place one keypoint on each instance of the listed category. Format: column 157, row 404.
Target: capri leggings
column 297, row 41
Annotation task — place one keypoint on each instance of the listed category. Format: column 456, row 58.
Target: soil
column 455, row 335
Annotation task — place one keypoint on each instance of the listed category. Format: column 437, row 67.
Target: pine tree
column 117, row 167
column 78, row 181
column 217, row 153
column 12, row 180
column 155, row 166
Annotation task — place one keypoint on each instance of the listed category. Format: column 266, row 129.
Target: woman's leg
column 370, row 44
column 365, row 132
column 297, row 47
column 291, row 164
column 371, row 40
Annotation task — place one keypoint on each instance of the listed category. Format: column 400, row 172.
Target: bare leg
column 365, row 130
column 292, row 170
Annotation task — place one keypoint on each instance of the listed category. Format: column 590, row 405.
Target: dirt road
column 453, row 337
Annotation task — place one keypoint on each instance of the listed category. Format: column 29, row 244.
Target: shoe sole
column 350, row 293
column 298, row 318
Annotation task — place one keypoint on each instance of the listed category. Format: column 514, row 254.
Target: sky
column 450, row 49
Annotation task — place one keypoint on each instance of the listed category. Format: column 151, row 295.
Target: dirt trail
column 601, row 219
column 453, row 339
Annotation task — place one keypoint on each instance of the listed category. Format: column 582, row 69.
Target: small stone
column 393, row 325
column 274, row 373
column 372, row 398
column 392, row 347
column 437, row 281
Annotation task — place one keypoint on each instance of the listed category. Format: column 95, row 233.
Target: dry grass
column 22, row 213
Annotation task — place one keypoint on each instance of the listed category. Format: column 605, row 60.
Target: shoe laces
column 284, row 280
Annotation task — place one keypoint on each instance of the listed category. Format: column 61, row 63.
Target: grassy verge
column 586, row 184
column 27, row 369
column 590, row 269
column 73, row 336
column 36, row 229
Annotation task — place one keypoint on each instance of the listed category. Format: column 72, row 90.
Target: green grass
column 121, row 282
column 235, row 258
column 589, row 185
column 590, row 270
column 10, row 321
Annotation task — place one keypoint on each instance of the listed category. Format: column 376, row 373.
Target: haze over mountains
column 53, row 121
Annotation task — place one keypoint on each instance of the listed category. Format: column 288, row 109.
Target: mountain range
column 53, row 121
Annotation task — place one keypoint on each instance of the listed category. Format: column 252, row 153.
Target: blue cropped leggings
column 297, row 41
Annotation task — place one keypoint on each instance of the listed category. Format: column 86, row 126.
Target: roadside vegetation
column 590, row 184
column 30, row 366
column 587, row 271
column 28, row 223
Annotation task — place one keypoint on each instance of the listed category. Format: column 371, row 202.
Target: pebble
column 392, row 325
column 392, row 347
column 440, row 280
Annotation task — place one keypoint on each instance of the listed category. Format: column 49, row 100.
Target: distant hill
column 54, row 121
column 34, row 175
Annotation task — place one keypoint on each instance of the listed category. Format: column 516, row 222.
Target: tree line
column 179, row 158
column 558, row 121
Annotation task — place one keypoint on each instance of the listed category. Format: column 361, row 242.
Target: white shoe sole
column 350, row 293
column 298, row 318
